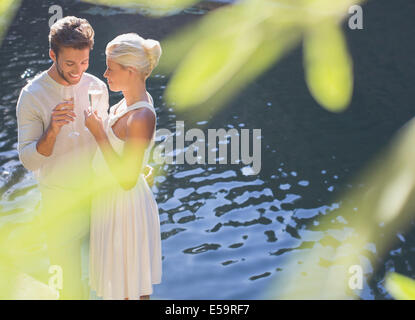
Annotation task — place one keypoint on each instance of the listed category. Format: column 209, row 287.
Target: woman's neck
column 135, row 93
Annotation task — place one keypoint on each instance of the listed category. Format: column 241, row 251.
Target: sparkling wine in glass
column 68, row 96
column 94, row 93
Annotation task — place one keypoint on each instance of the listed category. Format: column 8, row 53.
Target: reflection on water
column 225, row 234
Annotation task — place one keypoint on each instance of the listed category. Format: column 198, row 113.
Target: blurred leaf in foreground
column 400, row 287
column 228, row 49
column 151, row 7
column 231, row 46
column 328, row 66
column 371, row 220
column 16, row 285
column 26, row 247
column 8, row 9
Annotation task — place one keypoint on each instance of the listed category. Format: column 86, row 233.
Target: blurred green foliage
column 8, row 9
column 371, row 218
column 158, row 7
column 400, row 287
column 235, row 44
column 226, row 51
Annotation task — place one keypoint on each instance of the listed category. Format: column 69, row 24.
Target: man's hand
column 62, row 114
column 149, row 175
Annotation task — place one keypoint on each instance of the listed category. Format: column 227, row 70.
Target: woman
column 125, row 244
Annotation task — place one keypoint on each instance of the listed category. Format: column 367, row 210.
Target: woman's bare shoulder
column 141, row 114
column 141, row 122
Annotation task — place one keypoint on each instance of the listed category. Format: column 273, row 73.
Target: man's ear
column 52, row 55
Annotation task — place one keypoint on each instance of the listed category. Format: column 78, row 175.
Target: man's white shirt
column 69, row 164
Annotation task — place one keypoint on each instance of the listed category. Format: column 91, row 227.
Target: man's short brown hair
column 71, row 32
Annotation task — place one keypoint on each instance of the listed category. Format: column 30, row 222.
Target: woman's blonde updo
column 131, row 50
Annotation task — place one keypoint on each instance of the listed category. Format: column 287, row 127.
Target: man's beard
column 61, row 74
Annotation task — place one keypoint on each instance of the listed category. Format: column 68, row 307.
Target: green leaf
column 234, row 44
column 400, row 287
column 328, row 66
column 208, row 68
column 157, row 7
column 8, row 9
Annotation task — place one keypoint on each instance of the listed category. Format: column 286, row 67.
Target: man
column 61, row 160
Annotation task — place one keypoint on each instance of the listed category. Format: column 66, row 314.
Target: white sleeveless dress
column 125, row 241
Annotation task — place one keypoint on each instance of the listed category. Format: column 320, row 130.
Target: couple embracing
column 91, row 163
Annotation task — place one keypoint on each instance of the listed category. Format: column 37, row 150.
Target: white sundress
column 125, row 240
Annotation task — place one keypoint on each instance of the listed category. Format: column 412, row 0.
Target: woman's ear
column 131, row 70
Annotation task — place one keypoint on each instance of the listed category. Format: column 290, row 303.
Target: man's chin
column 73, row 80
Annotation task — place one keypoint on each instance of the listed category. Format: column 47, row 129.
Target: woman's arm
column 127, row 167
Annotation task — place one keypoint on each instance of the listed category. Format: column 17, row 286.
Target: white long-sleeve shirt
column 69, row 165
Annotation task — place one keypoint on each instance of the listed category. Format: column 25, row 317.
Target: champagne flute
column 69, row 96
column 94, row 93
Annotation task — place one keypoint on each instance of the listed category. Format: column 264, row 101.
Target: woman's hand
column 149, row 175
column 94, row 123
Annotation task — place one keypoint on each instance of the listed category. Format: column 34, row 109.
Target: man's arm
column 62, row 114
column 29, row 129
column 46, row 142
column 35, row 143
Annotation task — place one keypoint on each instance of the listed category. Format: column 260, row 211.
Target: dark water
column 226, row 235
